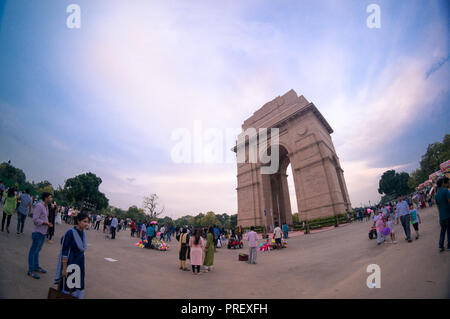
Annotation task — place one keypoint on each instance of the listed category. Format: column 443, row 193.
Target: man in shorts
column 415, row 219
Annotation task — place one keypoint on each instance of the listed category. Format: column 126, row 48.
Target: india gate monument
column 305, row 142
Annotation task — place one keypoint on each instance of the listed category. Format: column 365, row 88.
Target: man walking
column 443, row 203
column 41, row 224
column 23, row 210
column 98, row 218
column 252, row 238
column 114, row 223
column 403, row 214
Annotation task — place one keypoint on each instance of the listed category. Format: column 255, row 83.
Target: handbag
column 57, row 293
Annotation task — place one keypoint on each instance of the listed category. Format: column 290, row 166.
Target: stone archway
column 305, row 143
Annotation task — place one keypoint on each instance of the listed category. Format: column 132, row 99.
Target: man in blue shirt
column 443, row 203
column 402, row 213
column 23, row 210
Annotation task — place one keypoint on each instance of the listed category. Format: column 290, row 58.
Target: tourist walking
column 9, row 207
column 252, row 238
column 402, row 213
column 72, row 253
column 114, row 223
column 133, row 228
column 390, row 224
column 52, row 208
column 41, row 224
column 209, row 250
column 415, row 218
column 379, row 224
column 196, row 245
column 98, row 218
column 442, row 198
column 23, row 210
column 183, row 249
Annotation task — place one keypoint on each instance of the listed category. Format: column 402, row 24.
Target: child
column 390, row 224
column 415, row 219
column 379, row 224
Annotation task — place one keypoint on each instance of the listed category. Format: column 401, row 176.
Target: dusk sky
column 107, row 97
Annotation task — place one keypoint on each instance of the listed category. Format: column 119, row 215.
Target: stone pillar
column 287, row 210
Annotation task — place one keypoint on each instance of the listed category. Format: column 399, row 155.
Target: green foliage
column 135, row 213
column 44, row 186
column 322, row 222
column 436, row 154
column 209, row 220
column 15, row 176
column 295, row 219
column 84, row 187
column 394, row 184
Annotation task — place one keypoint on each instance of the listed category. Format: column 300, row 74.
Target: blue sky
column 107, row 97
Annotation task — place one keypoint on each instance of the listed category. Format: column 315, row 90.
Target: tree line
column 82, row 191
column 393, row 184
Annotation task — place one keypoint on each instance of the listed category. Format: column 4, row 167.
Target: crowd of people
column 195, row 244
column 405, row 211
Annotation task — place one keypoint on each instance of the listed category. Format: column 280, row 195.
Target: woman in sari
column 209, row 250
column 183, row 249
column 196, row 245
column 72, row 254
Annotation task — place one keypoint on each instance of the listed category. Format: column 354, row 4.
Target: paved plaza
column 327, row 264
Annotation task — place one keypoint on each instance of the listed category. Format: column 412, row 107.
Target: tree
column 84, row 188
column 44, row 186
column 233, row 221
column 394, row 184
column 60, row 196
column 436, row 154
column 136, row 213
column 295, row 219
column 151, row 204
column 209, row 220
column 13, row 176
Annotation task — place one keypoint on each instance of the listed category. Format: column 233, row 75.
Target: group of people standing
column 73, row 246
column 23, row 204
column 193, row 246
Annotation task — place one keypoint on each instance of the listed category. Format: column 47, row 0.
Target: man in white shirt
column 277, row 233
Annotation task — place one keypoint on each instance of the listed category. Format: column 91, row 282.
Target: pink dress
column 196, row 251
column 379, row 224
